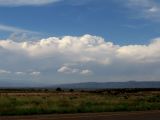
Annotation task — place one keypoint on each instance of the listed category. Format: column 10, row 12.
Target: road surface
column 149, row 115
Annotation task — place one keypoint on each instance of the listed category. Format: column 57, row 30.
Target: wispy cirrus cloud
column 8, row 28
column 148, row 9
column 16, row 3
column 19, row 34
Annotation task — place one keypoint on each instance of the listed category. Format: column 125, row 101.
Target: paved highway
column 149, row 115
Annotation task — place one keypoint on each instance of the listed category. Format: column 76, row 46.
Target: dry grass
column 27, row 103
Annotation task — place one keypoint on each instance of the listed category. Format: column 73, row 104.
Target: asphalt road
column 149, row 115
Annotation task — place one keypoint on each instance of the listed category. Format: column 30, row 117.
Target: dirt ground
column 148, row 115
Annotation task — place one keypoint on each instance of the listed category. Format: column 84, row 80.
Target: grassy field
column 28, row 102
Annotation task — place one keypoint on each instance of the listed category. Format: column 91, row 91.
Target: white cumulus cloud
column 82, row 55
column 73, row 49
column 66, row 69
column 85, row 49
column 20, row 73
column 70, row 70
column 35, row 73
column 86, row 72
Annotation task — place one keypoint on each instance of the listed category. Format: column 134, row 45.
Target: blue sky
column 111, row 19
column 66, row 41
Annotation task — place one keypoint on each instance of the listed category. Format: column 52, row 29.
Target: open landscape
column 80, row 59
column 48, row 101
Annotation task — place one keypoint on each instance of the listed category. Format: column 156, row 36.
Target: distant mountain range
column 87, row 85
column 105, row 85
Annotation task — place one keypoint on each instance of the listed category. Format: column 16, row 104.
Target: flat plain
column 43, row 101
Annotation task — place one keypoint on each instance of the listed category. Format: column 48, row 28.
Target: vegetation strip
column 60, row 102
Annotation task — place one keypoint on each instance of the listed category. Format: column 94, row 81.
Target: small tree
column 71, row 90
column 58, row 89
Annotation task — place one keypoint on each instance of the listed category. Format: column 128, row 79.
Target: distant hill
column 96, row 85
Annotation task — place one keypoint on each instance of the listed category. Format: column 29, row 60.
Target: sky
column 45, row 42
